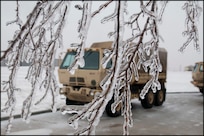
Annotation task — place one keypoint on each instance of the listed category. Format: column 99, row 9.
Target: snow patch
column 33, row 132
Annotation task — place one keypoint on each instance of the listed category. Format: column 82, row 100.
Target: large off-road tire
column 148, row 101
column 201, row 90
column 109, row 111
column 160, row 95
column 69, row 102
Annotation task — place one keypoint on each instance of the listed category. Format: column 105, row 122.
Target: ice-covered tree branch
column 94, row 110
column 120, row 74
column 83, row 28
column 193, row 11
column 100, row 8
column 33, row 45
column 38, row 39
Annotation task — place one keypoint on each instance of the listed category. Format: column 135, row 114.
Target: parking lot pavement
column 181, row 114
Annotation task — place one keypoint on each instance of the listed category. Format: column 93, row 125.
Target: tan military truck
column 81, row 87
column 197, row 76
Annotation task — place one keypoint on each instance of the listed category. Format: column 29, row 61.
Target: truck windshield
column 195, row 67
column 201, row 68
column 91, row 59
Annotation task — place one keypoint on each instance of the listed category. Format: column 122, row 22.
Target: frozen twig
column 37, row 40
column 100, row 8
column 193, row 11
column 83, row 28
column 37, row 50
column 18, row 20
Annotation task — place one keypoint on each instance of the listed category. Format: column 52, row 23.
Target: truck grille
column 72, row 79
column 76, row 81
column 80, row 79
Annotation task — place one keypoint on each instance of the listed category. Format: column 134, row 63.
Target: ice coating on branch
column 193, row 11
column 148, row 12
column 127, row 113
column 39, row 37
column 107, row 57
column 81, row 62
column 31, row 45
column 123, row 57
column 101, row 100
column 83, row 28
column 74, row 124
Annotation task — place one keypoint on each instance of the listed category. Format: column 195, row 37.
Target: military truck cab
column 197, row 76
column 84, row 84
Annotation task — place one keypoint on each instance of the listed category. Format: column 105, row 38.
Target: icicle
column 106, row 81
column 107, row 57
column 74, row 124
column 146, row 88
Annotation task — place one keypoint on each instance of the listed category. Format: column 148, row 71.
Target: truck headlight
column 61, row 91
column 92, row 92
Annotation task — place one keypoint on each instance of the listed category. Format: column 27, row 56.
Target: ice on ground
column 33, row 132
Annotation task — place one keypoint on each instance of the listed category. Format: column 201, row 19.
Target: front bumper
column 82, row 94
column 197, row 84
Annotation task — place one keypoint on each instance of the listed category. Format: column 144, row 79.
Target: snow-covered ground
column 177, row 81
column 180, row 81
column 22, row 94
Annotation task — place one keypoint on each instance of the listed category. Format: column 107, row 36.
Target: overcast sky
column 171, row 29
